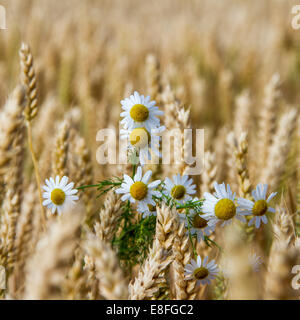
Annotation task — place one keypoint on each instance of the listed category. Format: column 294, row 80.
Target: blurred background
column 219, row 58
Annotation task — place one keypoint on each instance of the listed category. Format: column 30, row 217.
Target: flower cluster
column 141, row 126
column 201, row 216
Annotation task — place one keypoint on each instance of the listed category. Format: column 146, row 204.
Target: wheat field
column 72, row 228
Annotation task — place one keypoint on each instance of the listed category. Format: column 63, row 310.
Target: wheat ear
column 60, row 154
column 183, row 253
column 12, row 179
column 267, row 121
column 48, row 267
column 109, row 216
column 279, row 149
column 284, row 255
column 113, row 285
column 145, row 285
column 153, row 77
column 166, row 227
column 209, row 174
column 29, row 81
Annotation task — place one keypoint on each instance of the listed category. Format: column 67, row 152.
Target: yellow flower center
column 199, row 222
column 225, row 209
column 139, row 190
column 260, row 207
column 178, row 192
column 58, row 197
column 151, row 208
column 139, row 137
column 200, row 273
column 139, row 113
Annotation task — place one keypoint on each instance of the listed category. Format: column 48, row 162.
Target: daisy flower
column 151, row 211
column 147, row 143
column 58, row 194
column 221, row 205
column 201, row 225
column 260, row 207
column 137, row 190
column 139, row 111
column 180, row 188
column 203, row 272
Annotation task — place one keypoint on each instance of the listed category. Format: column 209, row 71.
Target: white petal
column 63, row 182
column 138, row 175
column 147, row 176
column 257, row 222
column 271, row 196
column 154, row 184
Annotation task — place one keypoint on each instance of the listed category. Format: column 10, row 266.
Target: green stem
column 133, row 170
column 190, row 235
column 99, row 185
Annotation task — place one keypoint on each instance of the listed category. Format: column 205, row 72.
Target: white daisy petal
column 271, row 196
